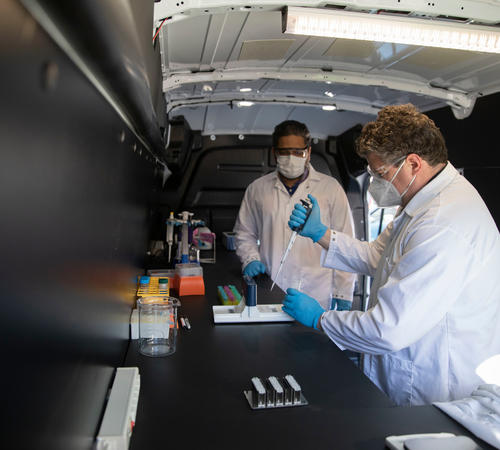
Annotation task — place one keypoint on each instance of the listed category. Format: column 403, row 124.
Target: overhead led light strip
column 380, row 28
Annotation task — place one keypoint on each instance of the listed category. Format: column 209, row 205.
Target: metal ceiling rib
column 226, row 117
column 221, row 119
column 364, row 108
column 452, row 98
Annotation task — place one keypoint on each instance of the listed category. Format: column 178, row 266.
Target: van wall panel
column 73, row 229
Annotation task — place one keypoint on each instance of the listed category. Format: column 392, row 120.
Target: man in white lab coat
column 264, row 214
column 434, row 310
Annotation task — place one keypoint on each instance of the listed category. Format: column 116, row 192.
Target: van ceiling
column 217, row 54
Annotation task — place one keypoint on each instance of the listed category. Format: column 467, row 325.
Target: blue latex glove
column 254, row 268
column 341, row 305
column 302, row 307
column 313, row 228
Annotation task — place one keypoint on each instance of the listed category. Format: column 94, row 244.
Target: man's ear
column 415, row 162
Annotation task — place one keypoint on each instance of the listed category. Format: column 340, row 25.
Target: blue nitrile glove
column 302, row 307
column 254, row 268
column 313, row 228
column 341, row 305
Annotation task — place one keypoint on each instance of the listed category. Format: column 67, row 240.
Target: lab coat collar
column 313, row 174
column 431, row 190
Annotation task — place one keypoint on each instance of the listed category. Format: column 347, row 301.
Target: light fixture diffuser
column 384, row 28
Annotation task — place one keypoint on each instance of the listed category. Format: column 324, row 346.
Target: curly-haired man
column 434, row 308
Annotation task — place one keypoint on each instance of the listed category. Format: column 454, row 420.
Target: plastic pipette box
column 161, row 273
column 188, row 279
column 188, row 270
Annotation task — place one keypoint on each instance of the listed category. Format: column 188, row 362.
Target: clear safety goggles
column 379, row 172
column 298, row 152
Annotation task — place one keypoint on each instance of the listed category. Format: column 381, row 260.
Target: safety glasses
column 379, row 172
column 298, row 152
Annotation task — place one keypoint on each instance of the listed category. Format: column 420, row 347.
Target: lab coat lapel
column 278, row 184
column 421, row 199
column 430, row 190
column 307, row 186
column 386, row 260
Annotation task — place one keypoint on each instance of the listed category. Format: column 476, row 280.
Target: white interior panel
column 265, row 50
column 215, row 26
column 228, row 36
column 221, row 119
column 231, row 44
column 181, row 55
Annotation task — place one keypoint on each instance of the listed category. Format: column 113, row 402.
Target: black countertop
column 194, row 398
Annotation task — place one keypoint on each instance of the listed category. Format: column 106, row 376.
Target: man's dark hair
column 291, row 127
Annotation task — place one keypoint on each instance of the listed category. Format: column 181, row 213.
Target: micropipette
column 307, row 205
column 170, row 234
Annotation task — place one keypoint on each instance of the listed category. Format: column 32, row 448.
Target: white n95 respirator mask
column 291, row 166
column 384, row 192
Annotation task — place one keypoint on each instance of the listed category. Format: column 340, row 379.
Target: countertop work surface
column 194, row 398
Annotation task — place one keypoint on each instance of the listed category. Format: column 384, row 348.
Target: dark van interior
column 105, row 131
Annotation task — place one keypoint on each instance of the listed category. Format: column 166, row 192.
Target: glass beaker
column 157, row 325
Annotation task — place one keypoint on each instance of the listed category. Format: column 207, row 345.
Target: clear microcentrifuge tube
column 296, row 281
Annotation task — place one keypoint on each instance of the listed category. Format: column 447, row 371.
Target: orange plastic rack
column 189, row 285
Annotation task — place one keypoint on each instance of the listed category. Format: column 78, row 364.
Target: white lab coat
column 434, row 310
column 263, row 216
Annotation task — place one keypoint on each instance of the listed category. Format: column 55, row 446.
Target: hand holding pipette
column 307, row 221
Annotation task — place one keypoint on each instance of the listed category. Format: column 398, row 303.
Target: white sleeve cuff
column 328, row 257
column 248, row 261
column 323, row 317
